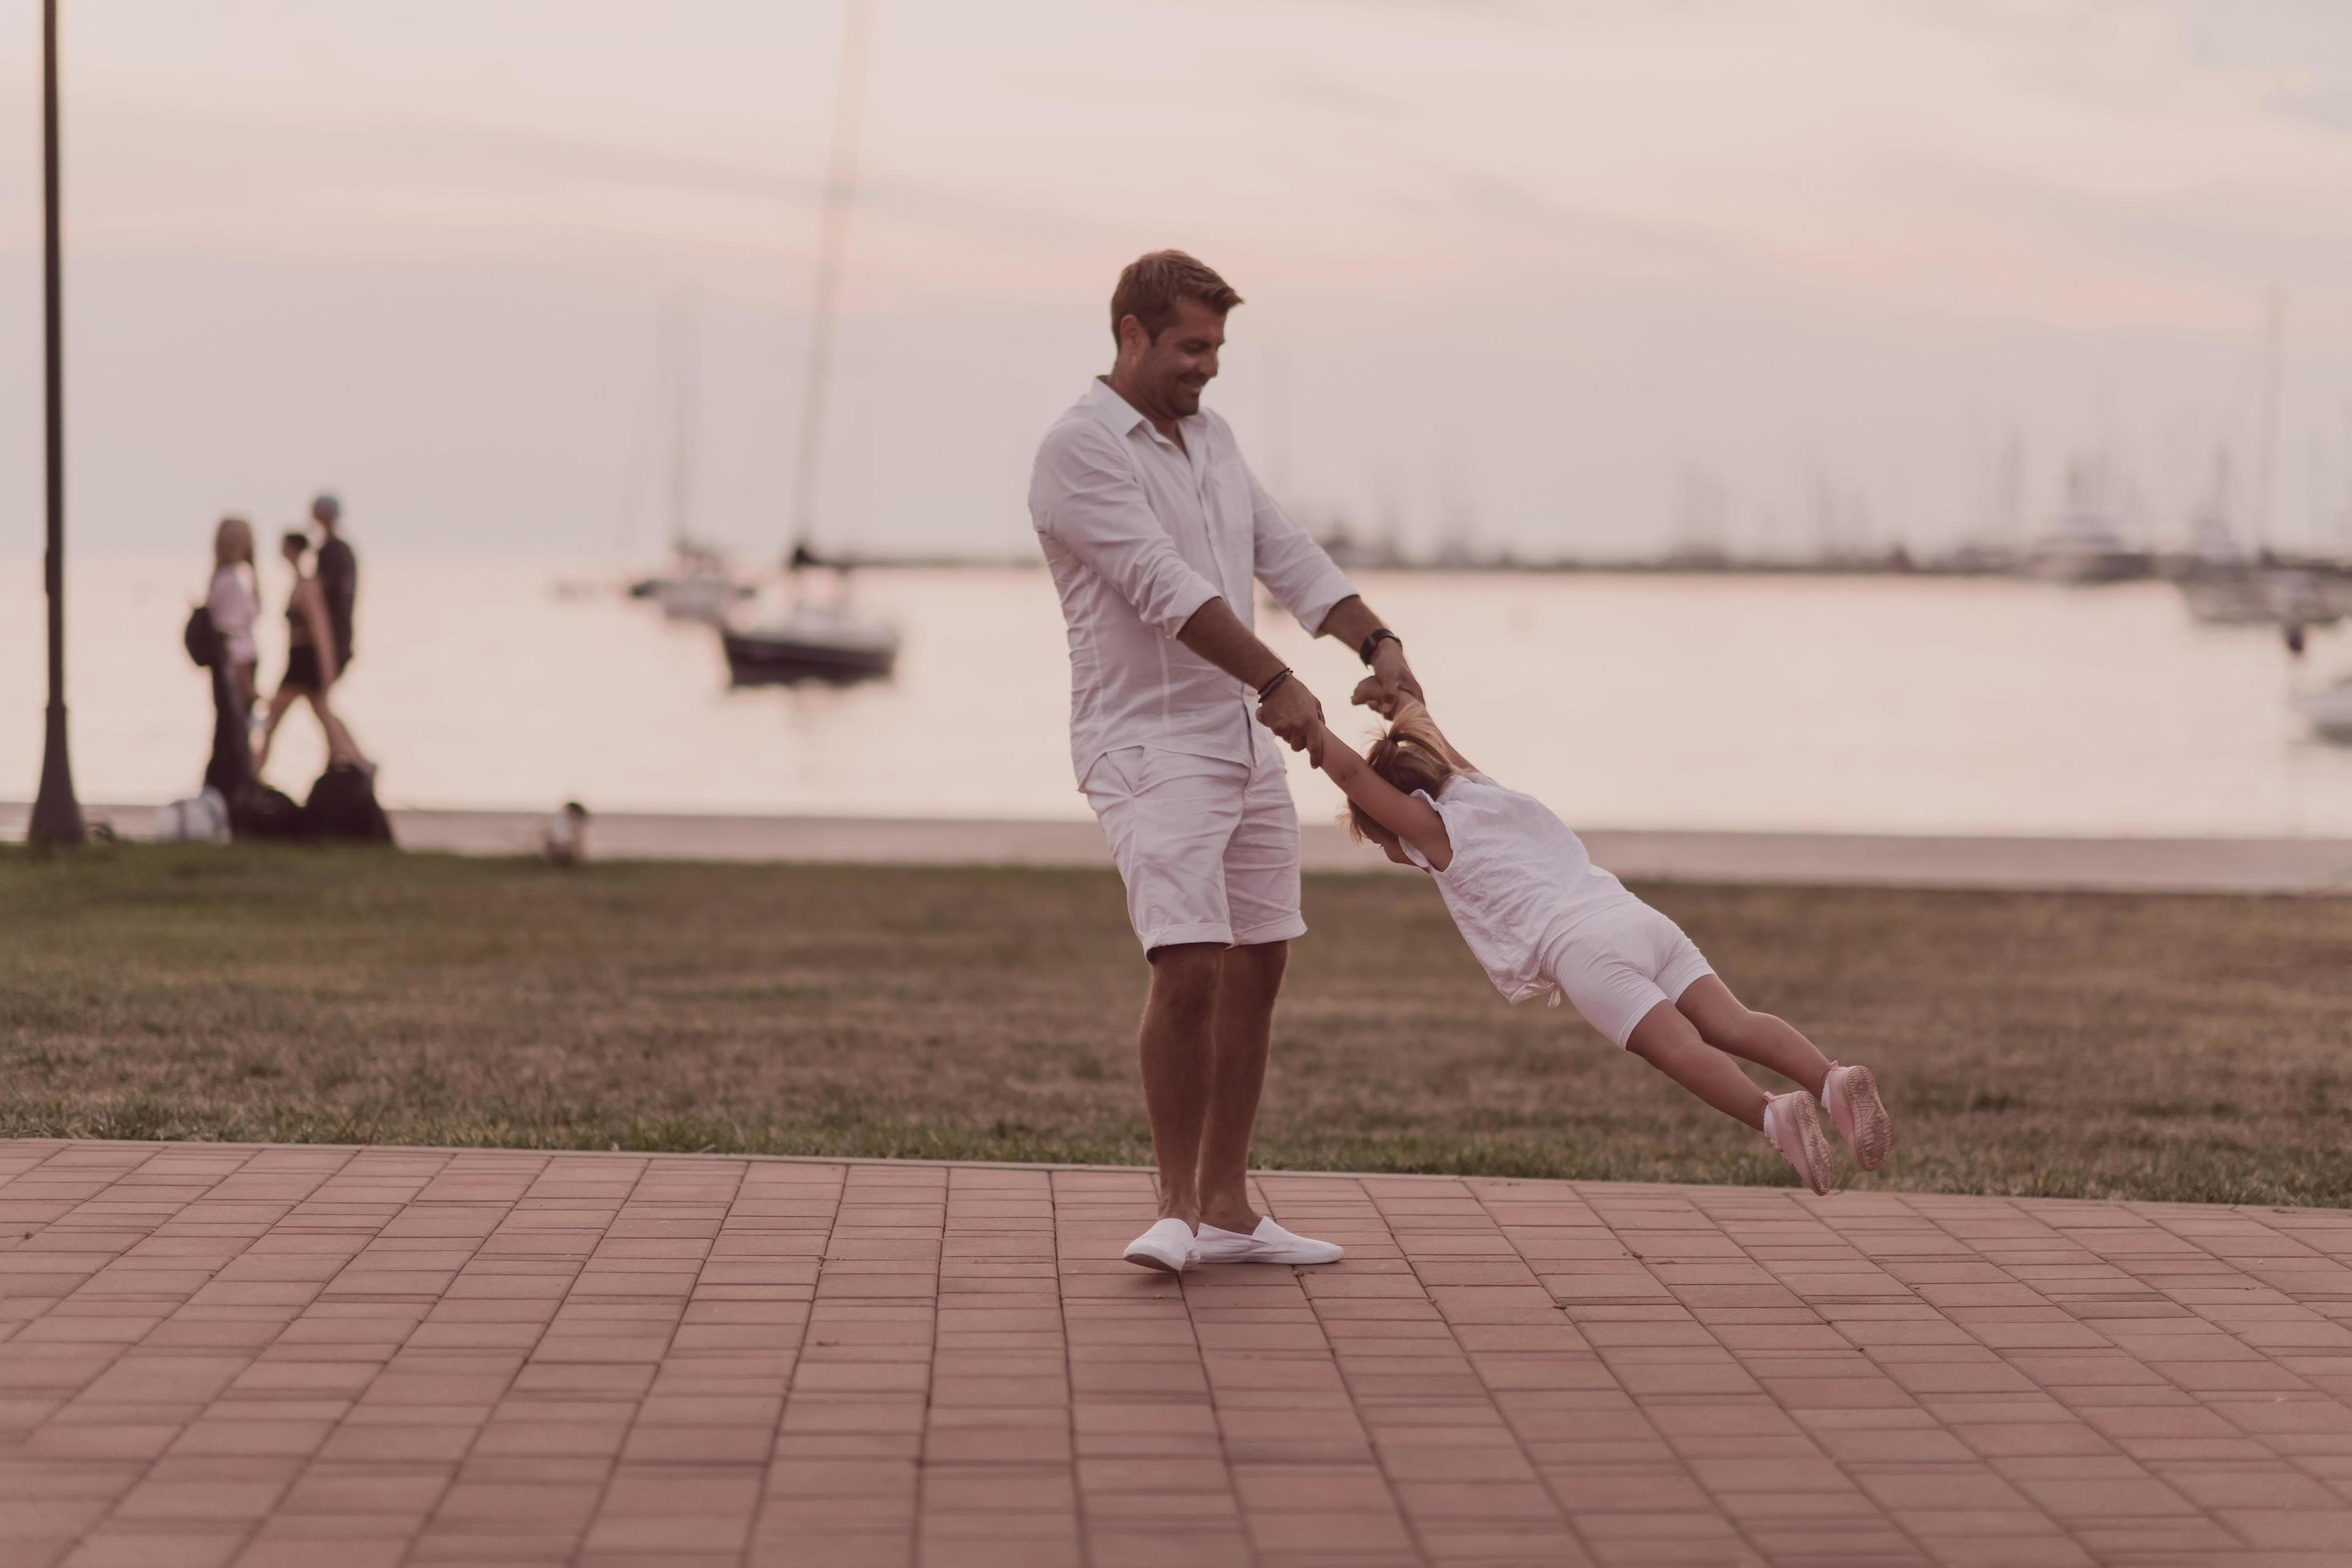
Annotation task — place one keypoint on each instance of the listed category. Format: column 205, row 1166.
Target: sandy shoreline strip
column 2097, row 865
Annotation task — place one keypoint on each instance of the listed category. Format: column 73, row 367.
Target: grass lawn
column 2196, row 1049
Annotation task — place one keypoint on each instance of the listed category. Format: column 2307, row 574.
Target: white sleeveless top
column 1518, row 878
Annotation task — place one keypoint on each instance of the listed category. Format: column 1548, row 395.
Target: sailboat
column 2084, row 545
column 2330, row 711
column 697, row 585
column 809, row 640
column 2220, row 580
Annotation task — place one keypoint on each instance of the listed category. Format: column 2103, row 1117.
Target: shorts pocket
column 1114, row 774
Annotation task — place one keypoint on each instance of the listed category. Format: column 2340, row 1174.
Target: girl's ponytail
column 1408, row 755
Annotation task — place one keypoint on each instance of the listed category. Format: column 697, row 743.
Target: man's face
column 1172, row 370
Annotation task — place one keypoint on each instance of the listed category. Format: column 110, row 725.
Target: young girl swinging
column 1544, row 920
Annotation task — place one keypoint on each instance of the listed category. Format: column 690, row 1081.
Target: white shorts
column 1616, row 964
column 1208, row 849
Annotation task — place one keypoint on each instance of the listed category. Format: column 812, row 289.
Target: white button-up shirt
column 1139, row 533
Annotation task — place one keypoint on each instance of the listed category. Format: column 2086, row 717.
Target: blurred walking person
column 232, row 603
column 235, row 603
column 313, row 660
column 339, row 574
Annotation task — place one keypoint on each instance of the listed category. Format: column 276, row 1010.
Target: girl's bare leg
column 1760, row 1038
column 1671, row 1043
column 279, row 701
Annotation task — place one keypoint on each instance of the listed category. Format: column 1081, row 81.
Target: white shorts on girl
column 1619, row 962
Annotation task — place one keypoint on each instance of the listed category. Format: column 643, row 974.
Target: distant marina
column 1842, row 703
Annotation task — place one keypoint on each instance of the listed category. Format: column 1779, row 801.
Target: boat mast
column 681, row 464
column 2266, row 436
column 832, row 238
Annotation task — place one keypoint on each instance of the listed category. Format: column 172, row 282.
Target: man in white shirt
column 1155, row 528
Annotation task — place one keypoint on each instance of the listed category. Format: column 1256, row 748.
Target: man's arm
column 1087, row 499
column 1301, row 573
column 343, row 584
column 1290, row 710
column 1351, row 621
column 323, row 631
column 1409, row 817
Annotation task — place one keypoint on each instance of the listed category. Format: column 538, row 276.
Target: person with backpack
column 219, row 637
column 234, row 605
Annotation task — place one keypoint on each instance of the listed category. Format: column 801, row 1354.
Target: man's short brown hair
column 1152, row 283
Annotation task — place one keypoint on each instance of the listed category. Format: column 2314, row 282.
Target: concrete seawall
column 2100, row 865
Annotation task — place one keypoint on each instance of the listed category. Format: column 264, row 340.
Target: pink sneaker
column 1852, row 1096
column 1796, row 1129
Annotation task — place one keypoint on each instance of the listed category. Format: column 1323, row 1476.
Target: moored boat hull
column 2330, row 712
column 787, row 655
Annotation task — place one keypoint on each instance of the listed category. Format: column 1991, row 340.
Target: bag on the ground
column 200, row 819
column 257, row 811
column 342, row 806
column 202, row 638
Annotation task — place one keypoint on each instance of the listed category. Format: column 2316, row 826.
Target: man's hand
column 1292, row 712
column 1393, row 675
column 1389, row 702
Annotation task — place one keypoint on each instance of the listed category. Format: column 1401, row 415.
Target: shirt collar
column 1122, row 416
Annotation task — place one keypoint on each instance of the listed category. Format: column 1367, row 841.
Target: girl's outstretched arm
column 1409, row 817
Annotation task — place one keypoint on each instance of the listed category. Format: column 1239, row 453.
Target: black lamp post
column 56, row 816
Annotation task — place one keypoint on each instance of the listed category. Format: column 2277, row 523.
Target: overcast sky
column 1588, row 275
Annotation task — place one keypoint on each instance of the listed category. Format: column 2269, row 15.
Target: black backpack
column 257, row 811
column 342, row 806
column 202, row 638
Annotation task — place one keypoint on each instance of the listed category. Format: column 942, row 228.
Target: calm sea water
column 1852, row 705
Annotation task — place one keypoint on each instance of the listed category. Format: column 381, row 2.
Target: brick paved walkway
column 276, row 1356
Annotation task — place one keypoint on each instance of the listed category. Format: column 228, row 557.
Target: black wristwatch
column 1365, row 648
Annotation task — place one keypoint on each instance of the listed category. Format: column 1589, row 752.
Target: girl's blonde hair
column 233, row 543
column 1408, row 756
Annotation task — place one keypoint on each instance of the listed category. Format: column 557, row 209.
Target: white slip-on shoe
column 1166, row 1246
column 1851, row 1097
column 1269, row 1243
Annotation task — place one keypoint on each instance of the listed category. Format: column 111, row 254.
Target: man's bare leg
column 1250, row 981
column 279, row 701
column 342, row 749
column 1174, row 1045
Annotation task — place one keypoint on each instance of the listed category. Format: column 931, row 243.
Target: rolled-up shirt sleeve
column 1084, row 497
column 1293, row 568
